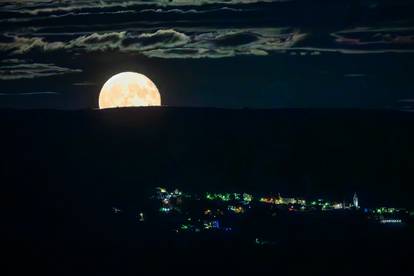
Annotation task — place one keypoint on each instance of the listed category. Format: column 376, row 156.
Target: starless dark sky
column 215, row 53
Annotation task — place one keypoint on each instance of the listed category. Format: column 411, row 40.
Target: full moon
column 129, row 89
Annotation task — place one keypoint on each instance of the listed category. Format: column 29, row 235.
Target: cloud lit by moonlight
column 129, row 89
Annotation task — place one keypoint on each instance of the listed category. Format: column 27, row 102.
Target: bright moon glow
column 129, row 89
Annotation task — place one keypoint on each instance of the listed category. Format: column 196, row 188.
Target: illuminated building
column 268, row 200
column 355, row 201
column 185, row 227
column 141, row 216
column 116, row 210
column 188, row 227
column 262, row 242
column 247, row 197
column 230, row 196
column 282, row 200
column 161, row 190
column 326, row 206
column 287, row 200
column 301, row 201
column 165, row 209
column 386, row 210
column 211, row 224
column 391, row 221
column 236, row 209
column 221, row 197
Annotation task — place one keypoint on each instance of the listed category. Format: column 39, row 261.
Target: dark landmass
column 61, row 171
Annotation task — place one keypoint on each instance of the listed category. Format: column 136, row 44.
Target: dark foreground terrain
column 62, row 171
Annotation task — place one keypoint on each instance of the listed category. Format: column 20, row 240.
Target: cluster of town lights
column 219, row 211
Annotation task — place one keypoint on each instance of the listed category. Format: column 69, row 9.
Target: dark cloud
column 22, row 45
column 198, row 29
column 14, row 69
column 98, row 39
column 163, row 38
column 54, row 7
column 212, row 43
column 396, row 37
column 234, row 39
column 28, row 94
column 166, row 43
column 95, row 42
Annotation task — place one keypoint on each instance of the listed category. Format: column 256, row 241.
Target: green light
column 247, row 197
column 161, row 190
column 165, row 209
column 184, row 227
column 225, row 197
column 222, row 197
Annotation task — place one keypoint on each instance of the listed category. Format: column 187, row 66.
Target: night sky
column 210, row 53
column 308, row 99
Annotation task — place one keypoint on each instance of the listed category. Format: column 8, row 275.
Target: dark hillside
column 301, row 152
